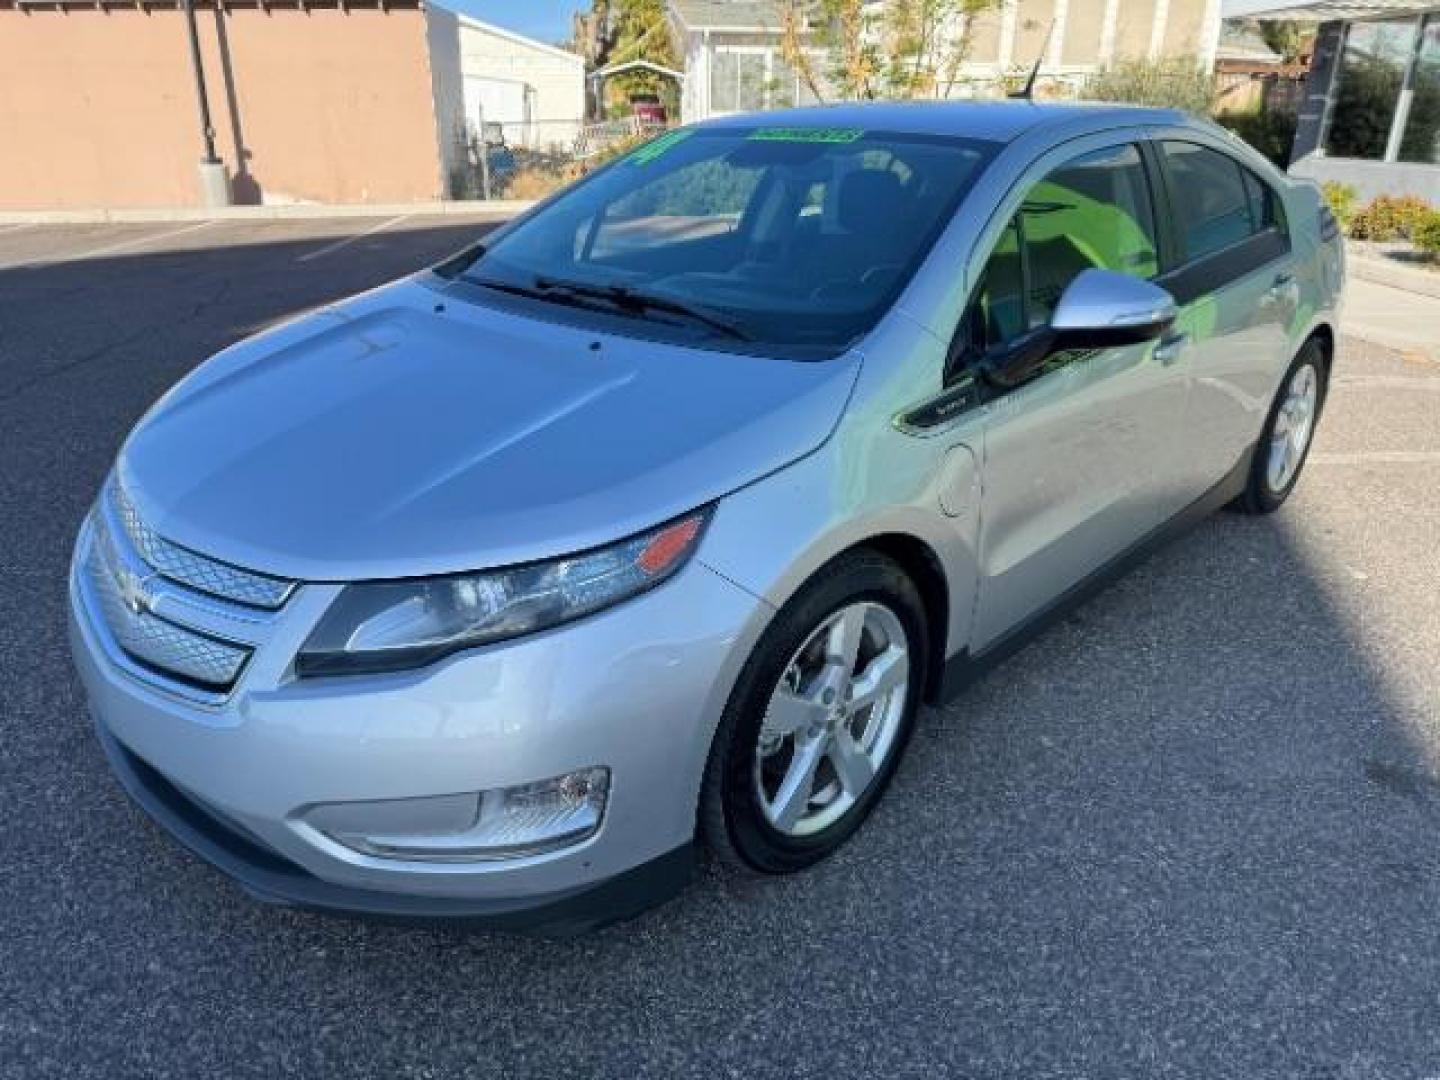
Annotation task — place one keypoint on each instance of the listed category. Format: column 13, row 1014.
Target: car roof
column 997, row 121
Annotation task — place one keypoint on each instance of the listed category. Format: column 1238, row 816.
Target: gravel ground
column 1189, row 832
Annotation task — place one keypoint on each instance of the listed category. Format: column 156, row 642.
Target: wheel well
column 923, row 566
column 1326, row 338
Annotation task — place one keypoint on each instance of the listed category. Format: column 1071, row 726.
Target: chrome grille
column 178, row 620
column 153, row 641
column 189, row 568
column 157, row 643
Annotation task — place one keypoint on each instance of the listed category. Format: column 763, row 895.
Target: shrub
column 534, row 184
column 1427, row 234
column 618, row 148
column 1178, row 82
column 1271, row 131
column 1341, row 200
column 1389, row 217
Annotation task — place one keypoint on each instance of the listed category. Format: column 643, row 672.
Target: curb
column 1384, row 272
column 287, row 211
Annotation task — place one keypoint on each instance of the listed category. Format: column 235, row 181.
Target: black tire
column 1259, row 497
column 732, row 823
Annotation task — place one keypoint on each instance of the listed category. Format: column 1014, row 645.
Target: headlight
column 393, row 625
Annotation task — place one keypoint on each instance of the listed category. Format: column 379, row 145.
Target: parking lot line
column 1376, row 457
column 338, row 244
column 106, row 249
column 1389, row 382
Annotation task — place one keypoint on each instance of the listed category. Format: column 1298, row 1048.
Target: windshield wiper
column 536, row 293
column 629, row 299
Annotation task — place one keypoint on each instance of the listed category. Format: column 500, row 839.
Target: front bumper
column 272, row 879
column 637, row 689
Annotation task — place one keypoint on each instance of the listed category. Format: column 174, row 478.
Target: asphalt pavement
column 1190, row 832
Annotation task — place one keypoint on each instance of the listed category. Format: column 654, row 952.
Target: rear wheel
column 818, row 718
column 1289, row 429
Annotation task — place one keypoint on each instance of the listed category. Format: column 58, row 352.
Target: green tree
column 1179, row 82
column 1285, row 37
column 640, row 32
column 902, row 49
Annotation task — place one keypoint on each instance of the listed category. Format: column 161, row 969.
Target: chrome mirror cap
column 1104, row 303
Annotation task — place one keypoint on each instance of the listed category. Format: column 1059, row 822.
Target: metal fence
column 527, row 159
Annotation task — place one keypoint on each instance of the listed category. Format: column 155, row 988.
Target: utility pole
column 214, row 182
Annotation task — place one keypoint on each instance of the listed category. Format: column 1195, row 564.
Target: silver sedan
column 653, row 520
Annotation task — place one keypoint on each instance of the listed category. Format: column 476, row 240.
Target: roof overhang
column 637, row 65
column 1325, row 10
column 149, row 6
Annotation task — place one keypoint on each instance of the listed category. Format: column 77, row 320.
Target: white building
column 733, row 59
column 534, row 91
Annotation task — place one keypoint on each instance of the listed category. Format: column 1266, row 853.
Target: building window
column 738, row 80
column 1372, row 73
column 747, row 79
column 1421, row 140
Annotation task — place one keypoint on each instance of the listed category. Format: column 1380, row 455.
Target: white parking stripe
column 1389, row 382
column 338, row 244
column 1376, row 457
column 90, row 253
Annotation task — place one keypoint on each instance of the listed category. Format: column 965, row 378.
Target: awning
column 1324, row 10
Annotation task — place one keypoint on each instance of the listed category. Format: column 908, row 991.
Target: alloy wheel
column 832, row 721
column 1294, row 424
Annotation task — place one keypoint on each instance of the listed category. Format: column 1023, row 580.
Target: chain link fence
column 528, row 159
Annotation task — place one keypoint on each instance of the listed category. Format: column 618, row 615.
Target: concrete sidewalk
column 1395, row 318
column 500, row 208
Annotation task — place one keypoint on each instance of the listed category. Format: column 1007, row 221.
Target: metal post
column 207, row 130
column 1407, row 92
column 484, row 153
column 214, row 182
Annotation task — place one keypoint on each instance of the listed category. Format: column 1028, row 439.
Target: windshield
column 786, row 236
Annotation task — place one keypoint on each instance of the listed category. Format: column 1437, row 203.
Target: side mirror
column 1101, row 309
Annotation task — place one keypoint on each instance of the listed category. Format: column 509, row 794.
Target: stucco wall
column 1371, row 178
column 1091, row 33
column 98, row 109
column 557, row 79
column 442, row 33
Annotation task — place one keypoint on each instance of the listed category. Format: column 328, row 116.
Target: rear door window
column 1218, row 202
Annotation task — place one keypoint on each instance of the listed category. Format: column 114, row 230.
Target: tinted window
column 799, row 237
column 1093, row 212
column 1000, row 301
column 1218, row 202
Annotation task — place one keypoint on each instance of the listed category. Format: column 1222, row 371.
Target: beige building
column 336, row 101
column 733, row 60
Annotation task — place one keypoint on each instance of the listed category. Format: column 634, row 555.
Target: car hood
column 391, row 437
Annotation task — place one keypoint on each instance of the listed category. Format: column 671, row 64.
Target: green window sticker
column 657, row 146
column 807, row 134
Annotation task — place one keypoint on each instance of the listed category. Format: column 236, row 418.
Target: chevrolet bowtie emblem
column 134, row 590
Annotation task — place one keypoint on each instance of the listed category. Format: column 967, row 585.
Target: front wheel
column 818, row 718
column 1285, row 443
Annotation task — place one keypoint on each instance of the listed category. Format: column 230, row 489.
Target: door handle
column 1170, row 348
column 1282, row 283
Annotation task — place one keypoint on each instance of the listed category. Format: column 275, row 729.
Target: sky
column 544, row 20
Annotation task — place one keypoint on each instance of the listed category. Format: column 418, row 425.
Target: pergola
column 1324, row 10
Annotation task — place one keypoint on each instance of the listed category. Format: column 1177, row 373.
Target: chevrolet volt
column 650, row 521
